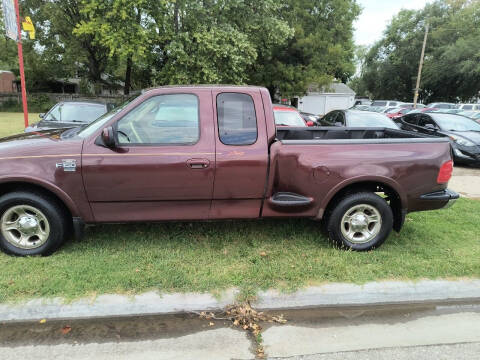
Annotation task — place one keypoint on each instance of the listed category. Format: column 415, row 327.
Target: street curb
column 329, row 295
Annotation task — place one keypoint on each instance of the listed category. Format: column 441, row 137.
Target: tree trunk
column 175, row 16
column 128, row 76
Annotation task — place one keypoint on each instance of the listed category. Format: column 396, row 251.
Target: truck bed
column 320, row 135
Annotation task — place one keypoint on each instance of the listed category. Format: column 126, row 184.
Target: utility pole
column 420, row 66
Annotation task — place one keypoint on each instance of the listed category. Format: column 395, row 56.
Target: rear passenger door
column 241, row 154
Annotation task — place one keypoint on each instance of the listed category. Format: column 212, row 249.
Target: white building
column 336, row 96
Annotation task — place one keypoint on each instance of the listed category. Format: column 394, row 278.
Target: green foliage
column 452, row 59
column 321, row 49
column 284, row 45
column 36, row 103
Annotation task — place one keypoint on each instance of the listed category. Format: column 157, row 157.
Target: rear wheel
column 31, row 224
column 360, row 221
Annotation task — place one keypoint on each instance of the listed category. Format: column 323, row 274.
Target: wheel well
column 388, row 192
column 28, row 187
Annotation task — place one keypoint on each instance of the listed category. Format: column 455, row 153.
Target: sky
column 375, row 16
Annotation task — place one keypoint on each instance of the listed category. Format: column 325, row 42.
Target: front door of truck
column 163, row 167
column 241, row 154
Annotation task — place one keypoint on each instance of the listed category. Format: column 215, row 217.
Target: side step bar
column 289, row 199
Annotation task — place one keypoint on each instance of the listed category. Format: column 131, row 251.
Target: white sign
column 10, row 18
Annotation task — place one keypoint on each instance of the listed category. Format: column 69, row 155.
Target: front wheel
column 360, row 221
column 31, row 224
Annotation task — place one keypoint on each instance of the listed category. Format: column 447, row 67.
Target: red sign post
column 20, row 63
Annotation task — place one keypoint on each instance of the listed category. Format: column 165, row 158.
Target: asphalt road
column 423, row 332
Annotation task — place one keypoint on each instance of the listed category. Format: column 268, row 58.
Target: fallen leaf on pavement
column 66, row 329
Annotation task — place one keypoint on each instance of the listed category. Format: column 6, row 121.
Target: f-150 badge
column 68, row 165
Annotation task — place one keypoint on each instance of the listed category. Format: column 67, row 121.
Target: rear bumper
column 446, row 196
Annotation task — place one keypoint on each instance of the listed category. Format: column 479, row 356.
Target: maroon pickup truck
column 209, row 153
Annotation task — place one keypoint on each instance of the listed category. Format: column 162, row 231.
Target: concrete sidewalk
column 466, row 181
column 326, row 296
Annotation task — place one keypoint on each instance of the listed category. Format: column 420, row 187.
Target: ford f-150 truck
column 210, row 153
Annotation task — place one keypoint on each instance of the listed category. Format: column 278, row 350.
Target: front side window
column 237, row 122
column 162, row 120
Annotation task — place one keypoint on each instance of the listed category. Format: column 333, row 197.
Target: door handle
column 198, row 163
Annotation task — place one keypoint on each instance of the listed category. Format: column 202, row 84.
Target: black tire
column 345, row 205
column 54, row 213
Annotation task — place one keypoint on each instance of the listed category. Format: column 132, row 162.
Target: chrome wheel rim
column 361, row 223
column 25, row 227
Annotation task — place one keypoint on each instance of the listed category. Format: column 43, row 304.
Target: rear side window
column 237, row 122
column 379, row 103
column 467, row 107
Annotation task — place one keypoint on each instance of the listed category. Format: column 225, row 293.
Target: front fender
column 29, row 180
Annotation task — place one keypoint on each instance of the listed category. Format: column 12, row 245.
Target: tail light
column 445, row 172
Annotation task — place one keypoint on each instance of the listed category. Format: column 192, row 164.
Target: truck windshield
column 288, row 118
column 455, row 122
column 102, row 120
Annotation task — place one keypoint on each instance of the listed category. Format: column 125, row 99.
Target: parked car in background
column 440, row 105
column 470, row 114
column 386, row 103
column 211, row 153
column 449, row 111
column 69, row 114
column 410, row 105
column 474, row 107
column 310, row 117
column 361, row 107
column 463, row 132
column 387, row 110
column 362, row 101
column 474, row 115
column 397, row 112
column 357, row 118
column 423, row 110
column 289, row 116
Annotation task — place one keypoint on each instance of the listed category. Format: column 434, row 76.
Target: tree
column 451, row 70
column 321, row 49
column 117, row 26
column 66, row 53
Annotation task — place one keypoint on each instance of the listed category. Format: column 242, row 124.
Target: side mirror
column 41, row 115
column 108, row 137
column 338, row 124
column 310, row 123
column 430, row 127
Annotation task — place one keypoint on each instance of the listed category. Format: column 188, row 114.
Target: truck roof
column 209, row 86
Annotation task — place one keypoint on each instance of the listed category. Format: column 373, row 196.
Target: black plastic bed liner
column 350, row 135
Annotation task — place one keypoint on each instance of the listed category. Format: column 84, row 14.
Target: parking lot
column 466, row 181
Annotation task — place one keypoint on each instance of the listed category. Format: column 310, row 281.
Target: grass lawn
column 12, row 123
column 249, row 255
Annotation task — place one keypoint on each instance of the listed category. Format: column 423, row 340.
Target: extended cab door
column 241, row 153
column 163, row 167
